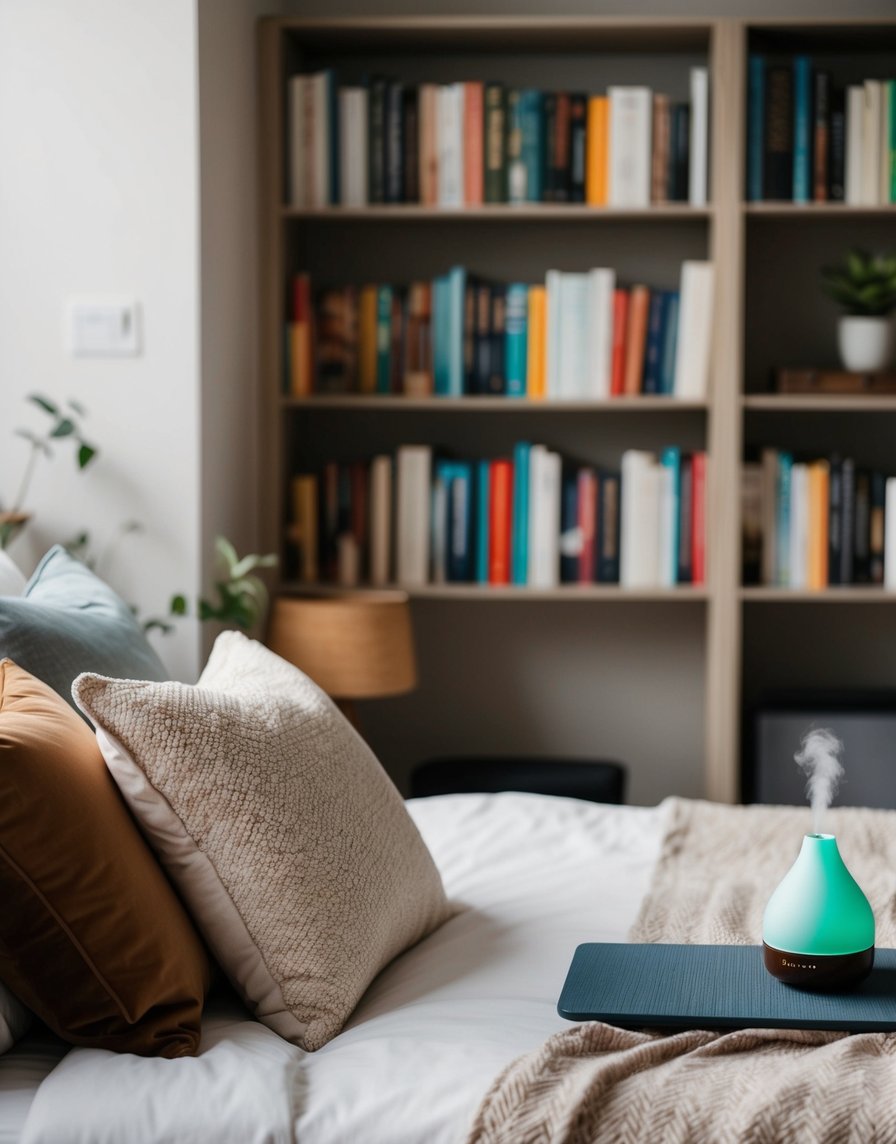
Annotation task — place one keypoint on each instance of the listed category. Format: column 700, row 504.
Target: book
column 698, row 518
column 890, row 159
column 481, row 523
column 500, row 520
column 459, row 557
column 571, row 380
column 818, row 525
column 782, row 519
column 570, row 543
column 348, row 553
column 599, row 332
column 376, row 140
column 559, row 158
column 588, row 490
column 418, row 372
column 694, row 330
column 629, row 154
column 651, row 381
column 890, row 536
column 837, row 149
column 298, row 144
column 398, row 338
column 821, row 129
column 835, row 522
column 861, row 527
column 304, row 532
column 544, row 517
column 353, row 160
column 438, row 525
column 497, row 333
column 410, row 142
column 670, row 516
column 552, row 281
column 778, row 158
column 669, row 342
column 834, row 381
column 802, row 129
column 883, row 195
column 597, row 151
column 877, row 506
column 480, row 378
column 301, row 371
column 495, row 175
column 384, row 298
column 530, row 113
column 536, row 336
column 799, row 526
column 769, row 470
column 659, row 159
column 549, row 114
column 336, row 340
column 755, row 127
column 679, row 144
column 636, row 338
column 871, row 156
column 699, row 137
column 620, row 339
column 451, row 145
column 448, row 332
column 855, row 131
column 608, row 525
column 328, row 517
column 381, row 520
column 473, row 140
column 640, row 519
column 359, row 515
column 685, row 564
column 412, row 524
column 520, row 524
column 577, row 131
column 513, row 148
column 516, row 336
column 428, row 146
column 394, row 140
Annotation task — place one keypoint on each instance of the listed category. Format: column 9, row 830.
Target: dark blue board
column 715, row 987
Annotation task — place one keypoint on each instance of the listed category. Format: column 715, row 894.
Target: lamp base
column 825, row 972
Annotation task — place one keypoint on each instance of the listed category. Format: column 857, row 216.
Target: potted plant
column 864, row 285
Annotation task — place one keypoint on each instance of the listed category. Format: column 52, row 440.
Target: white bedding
column 537, row 876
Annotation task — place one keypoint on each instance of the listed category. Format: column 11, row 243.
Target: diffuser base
column 829, row 972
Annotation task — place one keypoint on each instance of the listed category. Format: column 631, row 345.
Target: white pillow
column 15, row 1019
column 289, row 844
column 12, row 582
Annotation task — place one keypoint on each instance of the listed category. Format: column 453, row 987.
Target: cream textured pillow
column 288, row 842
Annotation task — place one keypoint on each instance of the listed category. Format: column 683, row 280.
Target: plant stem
column 26, row 480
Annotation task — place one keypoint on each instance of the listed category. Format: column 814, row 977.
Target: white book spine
column 694, row 328
column 883, row 149
column 630, row 134
column 699, row 132
column 353, row 146
column 890, row 536
column 639, row 520
column 553, row 280
column 412, row 541
column 667, row 552
column 450, row 134
column 871, row 156
column 381, row 520
column 348, row 560
column 573, row 335
column 855, row 130
column 601, row 285
column 319, row 86
column 297, row 142
column 799, row 526
column 544, row 518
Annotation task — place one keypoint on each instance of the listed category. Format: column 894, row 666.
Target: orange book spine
column 698, row 519
column 818, row 524
column 636, row 337
column 300, row 340
column 620, row 330
column 500, row 505
column 428, row 146
column 474, row 154
column 367, row 340
column 659, row 162
column 597, row 150
column 536, row 342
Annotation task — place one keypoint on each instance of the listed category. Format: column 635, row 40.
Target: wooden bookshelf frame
column 727, row 218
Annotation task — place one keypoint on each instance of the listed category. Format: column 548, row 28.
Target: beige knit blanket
column 717, row 867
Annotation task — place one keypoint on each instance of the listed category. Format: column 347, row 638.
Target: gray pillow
column 69, row 621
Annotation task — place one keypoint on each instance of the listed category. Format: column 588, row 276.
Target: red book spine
column 500, row 505
column 587, row 483
column 474, row 156
column 620, row 324
column 698, row 519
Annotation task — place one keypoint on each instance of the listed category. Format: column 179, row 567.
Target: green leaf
column 156, row 625
column 44, row 403
column 178, row 606
column 226, row 553
column 64, row 427
column 86, row 453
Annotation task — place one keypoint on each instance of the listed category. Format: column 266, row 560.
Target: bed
column 537, row 875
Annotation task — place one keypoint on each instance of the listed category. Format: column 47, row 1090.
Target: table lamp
column 354, row 646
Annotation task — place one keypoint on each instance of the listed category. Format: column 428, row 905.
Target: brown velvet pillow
column 92, row 936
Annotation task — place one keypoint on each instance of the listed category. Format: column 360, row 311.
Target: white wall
column 99, row 195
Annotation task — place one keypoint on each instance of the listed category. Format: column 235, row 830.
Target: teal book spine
column 457, row 282
column 802, row 129
column 891, row 156
column 755, row 128
column 440, row 337
column 670, row 343
column 384, row 339
column 782, row 520
column 482, row 533
column 519, row 566
column 531, row 117
column 516, row 331
column 671, row 459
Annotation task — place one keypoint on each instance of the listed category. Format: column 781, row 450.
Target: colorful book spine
column 835, row 521
column 441, row 337
column 520, row 529
column 531, row 119
column 620, row 338
column 495, row 176
column 577, row 132
column 755, row 127
column 570, row 536
column 588, row 514
column 500, row 508
column 455, row 289
column 384, row 339
column 890, row 156
column 636, row 339
column 516, row 334
column 821, row 137
column 698, row 519
column 802, row 129
column 652, row 376
column 670, row 514
column 474, row 146
column 536, row 342
column 608, row 528
column 669, row 343
column 597, row 151
column 685, row 565
column 782, row 520
column 301, row 341
column 818, row 524
column 778, row 158
column 482, row 520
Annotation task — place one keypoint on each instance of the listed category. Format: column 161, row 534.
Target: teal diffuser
column 818, row 928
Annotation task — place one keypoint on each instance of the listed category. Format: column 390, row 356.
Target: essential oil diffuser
column 818, row 928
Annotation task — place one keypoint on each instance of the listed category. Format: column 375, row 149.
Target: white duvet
column 537, row 875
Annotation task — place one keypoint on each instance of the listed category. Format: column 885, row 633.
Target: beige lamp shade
column 357, row 646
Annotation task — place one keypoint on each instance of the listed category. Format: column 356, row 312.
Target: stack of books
column 809, row 141
column 580, row 336
column 528, row 519
column 466, row 144
column 817, row 523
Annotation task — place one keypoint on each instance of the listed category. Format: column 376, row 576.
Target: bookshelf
column 695, row 657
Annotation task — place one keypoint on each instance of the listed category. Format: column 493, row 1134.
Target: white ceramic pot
column 866, row 344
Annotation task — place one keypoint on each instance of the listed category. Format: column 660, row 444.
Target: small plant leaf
column 178, row 605
column 64, row 427
column 44, row 403
column 156, row 625
column 86, row 453
column 226, row 553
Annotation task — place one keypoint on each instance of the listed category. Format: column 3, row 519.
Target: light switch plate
column 103, row 327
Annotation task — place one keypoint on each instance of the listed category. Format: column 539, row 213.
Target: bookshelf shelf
column 397, row 404
column 817, row 212
column 822, row 403
column 500, row 213
column 848, row 594
column 569, row 593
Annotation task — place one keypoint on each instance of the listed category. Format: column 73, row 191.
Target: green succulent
column 863, row 284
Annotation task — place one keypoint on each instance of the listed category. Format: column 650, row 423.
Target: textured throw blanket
column 718, row 866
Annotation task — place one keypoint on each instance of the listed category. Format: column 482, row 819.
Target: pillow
column 92, row 936
column 15, row 1020
column 286, row 838
column 12, row 582
column 69, row 621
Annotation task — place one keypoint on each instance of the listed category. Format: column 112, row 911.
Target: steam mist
column 819, row 757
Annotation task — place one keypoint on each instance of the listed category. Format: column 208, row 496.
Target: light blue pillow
column 68, row 621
